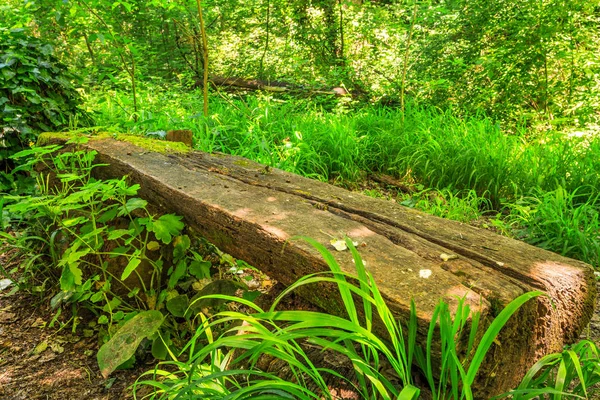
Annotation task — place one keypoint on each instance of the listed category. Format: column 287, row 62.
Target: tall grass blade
column 493, row 330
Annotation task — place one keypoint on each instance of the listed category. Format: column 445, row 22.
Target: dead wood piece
column 391, row 181
column 272, row 86
column 183, row 135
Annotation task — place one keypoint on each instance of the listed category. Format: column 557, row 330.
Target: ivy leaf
column 166, row 227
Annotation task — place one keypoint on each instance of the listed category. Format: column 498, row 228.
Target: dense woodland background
column 524, row 62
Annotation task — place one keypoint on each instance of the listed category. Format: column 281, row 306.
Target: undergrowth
column 226, row 366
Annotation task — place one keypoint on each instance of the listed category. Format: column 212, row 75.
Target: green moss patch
column 158, row 146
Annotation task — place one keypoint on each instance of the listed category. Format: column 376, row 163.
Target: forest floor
column 39, row 362
column 45, row 363
column 42, row 362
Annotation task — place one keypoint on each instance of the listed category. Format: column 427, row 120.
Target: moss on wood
column 159, row 146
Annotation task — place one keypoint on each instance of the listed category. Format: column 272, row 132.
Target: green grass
column 433, row 147
column 558, row 220
column 474, row 165
column 211, row 366
column 463, row 206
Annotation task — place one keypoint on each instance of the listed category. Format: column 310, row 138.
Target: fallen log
column 252, row 211
column 269, row 86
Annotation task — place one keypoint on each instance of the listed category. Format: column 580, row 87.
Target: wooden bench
column 251, row 211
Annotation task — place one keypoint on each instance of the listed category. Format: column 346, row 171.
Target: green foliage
column 564, row 222
column 532, row 64
column 208, row 373
column 92, row 243
column 474, row 166
column 445, row 203
column 536, row 61
column 98, row 243
column 426, row 146
column 529, row 61
column 575, row 371
column 36, row 92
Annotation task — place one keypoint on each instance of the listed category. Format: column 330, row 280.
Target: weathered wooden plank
column 252, row 212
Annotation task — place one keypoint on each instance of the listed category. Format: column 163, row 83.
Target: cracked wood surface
column 252, row 212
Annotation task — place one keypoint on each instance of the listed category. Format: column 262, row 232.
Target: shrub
column 36, row 94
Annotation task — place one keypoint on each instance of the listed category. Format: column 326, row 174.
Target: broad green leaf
column 181, row 244
column 73, row 221
column 200, row 269
column 96, row 297
column 176, row 275
column 108, row 215
column 112, row 305
column 71, row 277
column 159, row 349
column 119, row 233
column 166, row 227
column 77, row 273
column 118, row 316
column 121, row 347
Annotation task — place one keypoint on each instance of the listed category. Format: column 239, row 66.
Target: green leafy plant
column 36, row 94
column 463, row 206
column 575, row 372
column 101, row 245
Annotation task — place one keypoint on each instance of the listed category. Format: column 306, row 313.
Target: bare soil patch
column 44, row 363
